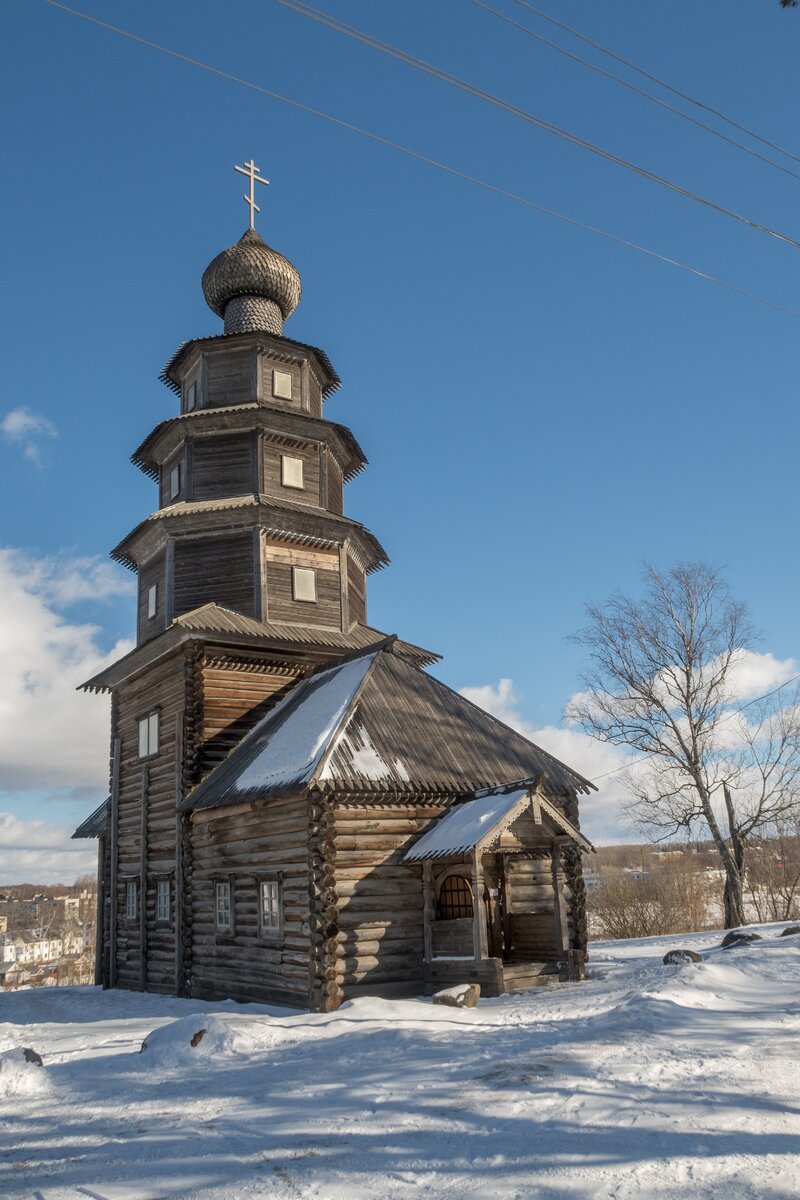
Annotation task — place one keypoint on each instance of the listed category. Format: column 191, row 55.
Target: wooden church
column 299, row 812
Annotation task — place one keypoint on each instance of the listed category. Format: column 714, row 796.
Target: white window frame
column 175, row 481
column 223, row 906
column 148, row 735
column 270, row 906
column 152, row 601
column 131, row 900
column 163, row 901
column 301, row 576
column 281, row 389
column 292, row 472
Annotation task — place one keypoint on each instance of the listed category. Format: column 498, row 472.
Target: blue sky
column 543, row 410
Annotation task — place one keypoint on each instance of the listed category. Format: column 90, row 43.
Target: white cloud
column 38, row 852
column 29, row 430
column 753, row 674
column 53, row 736
column 602, row 818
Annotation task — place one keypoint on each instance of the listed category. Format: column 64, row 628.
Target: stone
column 32, row 1057
column 739, row 937
column 672, row 957
column 198, row 1037
column 464, row 995
column 790, row 930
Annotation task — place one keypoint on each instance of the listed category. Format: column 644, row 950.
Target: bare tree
column 661, row 682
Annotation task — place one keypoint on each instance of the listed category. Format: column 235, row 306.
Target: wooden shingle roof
column 398, row 730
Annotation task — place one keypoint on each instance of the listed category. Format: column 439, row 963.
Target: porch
column 496, row 893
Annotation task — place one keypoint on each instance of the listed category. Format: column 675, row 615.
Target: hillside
column 646, row 1081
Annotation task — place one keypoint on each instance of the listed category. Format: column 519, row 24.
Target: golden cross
column 253, row 174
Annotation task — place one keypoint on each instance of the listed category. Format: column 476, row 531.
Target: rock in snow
column 186, row 1039
column 681, row 956
column 739, row 937
column 464, row 995
column 21, row 1073
column 790, row 930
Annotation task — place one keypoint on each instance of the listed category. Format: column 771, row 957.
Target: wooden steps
column 521, row 975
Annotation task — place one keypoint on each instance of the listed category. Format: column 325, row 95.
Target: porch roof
column 483, row 817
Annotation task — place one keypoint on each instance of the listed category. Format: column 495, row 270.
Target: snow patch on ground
column 647, row 1082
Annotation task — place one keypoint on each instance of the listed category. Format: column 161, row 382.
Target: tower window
column 152, row 600
column 131, row 898
column 282, row 385
column 304, row 583
column 163, row 901
column 191, row 396
column 175, row 481
column 148, row 735
column 222, row 907
column 291, row 471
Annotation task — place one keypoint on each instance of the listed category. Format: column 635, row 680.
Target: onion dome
column 251, row 286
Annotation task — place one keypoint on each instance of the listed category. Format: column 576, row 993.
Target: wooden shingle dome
column 252, row 286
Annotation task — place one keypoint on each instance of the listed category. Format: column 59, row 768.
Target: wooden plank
column 143, row 885
column 113, row 916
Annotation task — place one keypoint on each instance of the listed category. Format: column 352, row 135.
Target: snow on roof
column 285, row 748
column 460, row 829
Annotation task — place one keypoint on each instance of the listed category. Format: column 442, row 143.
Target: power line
column 654, row 79
column 735, row 712
column 631, row 87
column 423, row 158
column 455, row 81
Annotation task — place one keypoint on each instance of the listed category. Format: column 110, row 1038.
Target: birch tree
column 662, row 681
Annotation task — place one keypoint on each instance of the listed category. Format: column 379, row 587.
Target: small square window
column 131, row 906
column 175, row 481
column 291, row 471
column 152, row 600
column 269, row 906
column 304, row 583
column 162, row 900
column 222, row 907
column 148, row 735
column 282, row 385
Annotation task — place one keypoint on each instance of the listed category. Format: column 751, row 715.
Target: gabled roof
column 375, row 723
column 480, row 820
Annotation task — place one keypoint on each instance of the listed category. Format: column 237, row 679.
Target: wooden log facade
column 291, row 795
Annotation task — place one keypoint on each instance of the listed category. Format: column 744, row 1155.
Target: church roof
column 479, row 820
column 210, row 619
column 95, row 824
column 376, row 723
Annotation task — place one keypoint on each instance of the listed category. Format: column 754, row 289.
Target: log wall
column 310, row 491
column 229, row 377
column 239, row 846
column 377, row 898
column 215, row 568
column 281, row 605
column 222, row 465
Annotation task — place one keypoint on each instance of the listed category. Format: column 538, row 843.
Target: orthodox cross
column 253, row 174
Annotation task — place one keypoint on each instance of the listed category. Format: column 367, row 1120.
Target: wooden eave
column 297, row 524
column 328, row 378
column 297, row 428
column 222, row 630
column 96, row 823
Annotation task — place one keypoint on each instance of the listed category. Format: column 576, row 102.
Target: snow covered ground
column 646, row 1081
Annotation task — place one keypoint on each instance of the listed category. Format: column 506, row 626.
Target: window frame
column 152, row 601
column 175, row 480
column 285, row 481
column 278, row 371
column 161, row 882
column 463, row 885
column 270, row 933
column 304, row 599
column 224, row 932
column 147, row 720
column 131, row 891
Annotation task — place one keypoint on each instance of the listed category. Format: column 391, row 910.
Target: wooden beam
column 427, row 909
column 101, row 909
column 143, row 884
column 479, row 934
column 177, row 916
column 559, row 907
column 114, row 900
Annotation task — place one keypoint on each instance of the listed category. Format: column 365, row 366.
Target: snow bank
column 188, row 1040
column 21, row 1075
